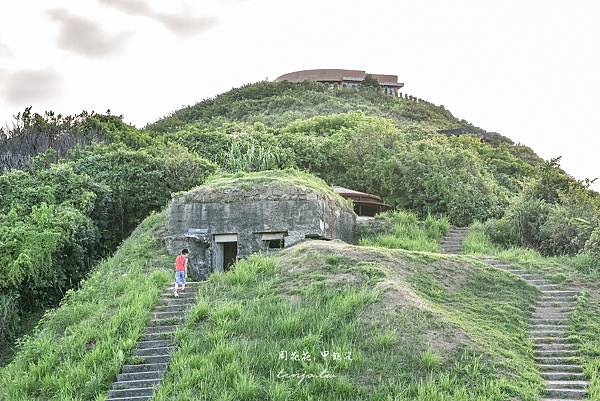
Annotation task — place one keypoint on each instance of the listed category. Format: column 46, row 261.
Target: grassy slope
column 418, row 327
column 571, row 272
column 78, row 348
column 401, row 229
column 278, row 103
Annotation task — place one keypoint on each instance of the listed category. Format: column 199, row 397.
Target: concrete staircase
column 548, row 328
column 137, row 381
column 453, row 241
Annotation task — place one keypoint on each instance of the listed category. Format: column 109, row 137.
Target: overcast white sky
column 527, row 69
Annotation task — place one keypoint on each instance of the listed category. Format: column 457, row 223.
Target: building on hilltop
column 221, row 223
column 344, row 78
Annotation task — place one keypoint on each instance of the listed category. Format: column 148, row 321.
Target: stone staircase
column 548, row 328
column 453, row 241
column 151, row 356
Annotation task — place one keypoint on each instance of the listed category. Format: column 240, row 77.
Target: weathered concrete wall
column 249, row 213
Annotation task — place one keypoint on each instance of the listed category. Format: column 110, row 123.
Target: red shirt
column 180, row 262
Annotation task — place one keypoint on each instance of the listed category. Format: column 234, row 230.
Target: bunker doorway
column 229, row 254
column 226, row 251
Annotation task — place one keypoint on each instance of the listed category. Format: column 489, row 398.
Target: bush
column 499, row 231
column 525, row 216
column 592, row 245
column 564, row 233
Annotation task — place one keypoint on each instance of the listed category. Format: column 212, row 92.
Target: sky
column 529, row 70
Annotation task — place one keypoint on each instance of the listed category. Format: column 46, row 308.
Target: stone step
column 554, row 309
column 148, row 367
column 131, row 384
column 167, row 335
column 560, row 293
column 574, row 394
column 151, row 359
column 517, row 272
column 532, row 278
column 550, row 340
column 560, row 368
column 182, row 295
column 548, row 327
column 545, row 301
column 179, row 302
column 563, row 376
column 546, row 353
column 136, row 392
column 166, row 322
column 551, row 316
column 160, row 329
column 549, row 308
column 167, row 314
column 574, row 384
column 141, row 398
column 155, row 374
column 157, row 351
column 544, row 286
column 154, row 344
column 172, row 308
column 557, row 360
column 555, row 347
column 547, row 333
column 547, row 321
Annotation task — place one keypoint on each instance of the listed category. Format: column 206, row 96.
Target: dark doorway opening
column 316, row 236
column 229, row 254
column 275, row 243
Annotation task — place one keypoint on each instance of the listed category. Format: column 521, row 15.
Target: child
column 181, row 262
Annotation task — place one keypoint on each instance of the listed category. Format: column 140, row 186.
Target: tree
column 370, row 81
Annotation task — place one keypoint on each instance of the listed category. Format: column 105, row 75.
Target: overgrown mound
column 238, row 186
column 331, row 321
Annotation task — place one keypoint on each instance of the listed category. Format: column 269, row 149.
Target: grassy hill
column 74, row 188
column 447, row 327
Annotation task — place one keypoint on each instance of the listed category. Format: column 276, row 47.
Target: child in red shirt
column 181, row 262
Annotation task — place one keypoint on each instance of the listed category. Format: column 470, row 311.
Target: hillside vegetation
column 73, row 188
column 446, row 326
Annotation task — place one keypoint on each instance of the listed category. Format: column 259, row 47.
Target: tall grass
column 408, row 232
column 78, row 348
column 230, row 348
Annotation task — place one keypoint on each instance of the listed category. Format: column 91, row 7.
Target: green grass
column 78, row 348
column 283, row 178
column 416, row 328
column 406, row 231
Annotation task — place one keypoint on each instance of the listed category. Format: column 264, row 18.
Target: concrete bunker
column 232, row 217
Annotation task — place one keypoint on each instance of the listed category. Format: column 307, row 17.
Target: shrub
column 526, row 216
column 499, row 231
column 592, row 245
column 563, row 233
